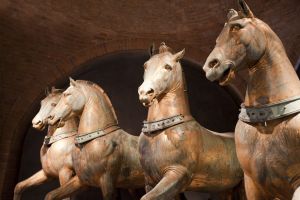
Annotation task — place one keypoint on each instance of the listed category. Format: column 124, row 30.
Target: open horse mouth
column 227, row 75
column 148, row 103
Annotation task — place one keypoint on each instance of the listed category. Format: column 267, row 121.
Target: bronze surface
column 268, row 152
column 185, row 156
column 56, row 159
column 107, row 162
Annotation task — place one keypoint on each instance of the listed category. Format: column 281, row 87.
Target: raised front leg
column 252, row 190
column 66, row 190
column 107, row 187
column 170, row 185
column 65, row 176
column 296, row 195
column 148, row 186
column 36, row 179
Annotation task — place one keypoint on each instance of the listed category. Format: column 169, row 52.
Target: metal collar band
column 48, row 140
column 99, row 133
column 270, row 111
column 149, row 127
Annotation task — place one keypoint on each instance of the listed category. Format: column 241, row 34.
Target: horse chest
column 94, row 159
column 158, row 153
column 268, row 158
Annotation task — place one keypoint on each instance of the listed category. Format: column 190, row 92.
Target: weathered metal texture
column 185, row 156
column 268, row 152
column 108, row 161
column 56, row 158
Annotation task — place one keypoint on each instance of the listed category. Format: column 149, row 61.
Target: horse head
column 71, row 104
column 47, row 105
column 241, row 43
column 161, row 74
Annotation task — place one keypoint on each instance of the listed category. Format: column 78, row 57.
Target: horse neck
column 70, row 126
column 97, row 114
column 172, row 103
column 273, row 78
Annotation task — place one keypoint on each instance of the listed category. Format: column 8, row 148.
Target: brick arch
column 24, row 107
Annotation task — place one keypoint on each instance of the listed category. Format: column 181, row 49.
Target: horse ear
column 232, row 14
column 47, row 92
column 151, row 49
column 179, row 55
column 55, row 91
column 72, row 82
column 244, row 8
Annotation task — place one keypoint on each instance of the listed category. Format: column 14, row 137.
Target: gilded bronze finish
column 185, row 156
column 268, row 152
column 110, row 161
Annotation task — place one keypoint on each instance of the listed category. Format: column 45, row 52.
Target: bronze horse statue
column 55, row 153
column 106, row 156
column 267, row 134
column 176, row 152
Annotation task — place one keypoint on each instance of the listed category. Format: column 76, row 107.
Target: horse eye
column 66, row 94
column 145, row 66
column 53, row 104
column 235, row 27
column 168, row 67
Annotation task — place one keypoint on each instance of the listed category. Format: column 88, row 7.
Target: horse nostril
column 214, row 63
column 149, row 92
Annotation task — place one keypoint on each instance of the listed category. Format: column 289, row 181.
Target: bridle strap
column 151, row 127
column 48, row 140
column 270, row 111
column 80, row 139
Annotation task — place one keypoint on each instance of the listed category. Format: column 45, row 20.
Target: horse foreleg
column 296, row 195
column 36, row 179
column 170, row 185
column 148, row 186
column 65, row 190
column 65, row 176
column 252, row 190
column 107, row 187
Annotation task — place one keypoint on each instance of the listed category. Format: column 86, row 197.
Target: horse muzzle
column 146, row 100
column 52, row 120
column 216, row 70
column 39, row 125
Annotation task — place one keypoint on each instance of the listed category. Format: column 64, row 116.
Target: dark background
column 120, row 75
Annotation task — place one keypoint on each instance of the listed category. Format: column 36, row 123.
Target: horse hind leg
column 170, row 185
column 36, row 179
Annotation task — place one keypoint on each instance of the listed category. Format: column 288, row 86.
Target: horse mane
column 164, row 48
column 96, row 86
